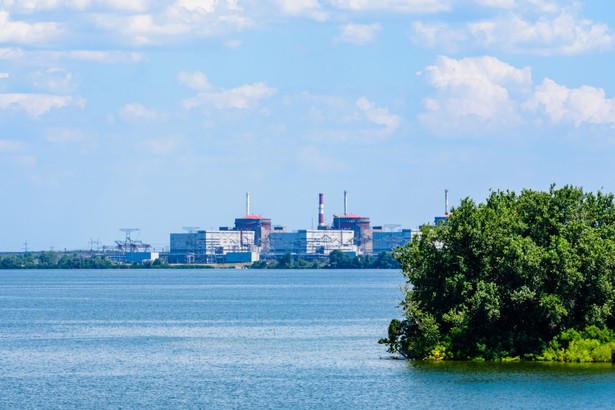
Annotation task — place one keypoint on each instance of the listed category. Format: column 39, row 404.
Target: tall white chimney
column 247, row 203
column 345, row 203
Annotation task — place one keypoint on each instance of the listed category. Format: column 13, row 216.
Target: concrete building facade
column 311, row 242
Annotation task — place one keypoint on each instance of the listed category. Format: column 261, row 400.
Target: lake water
column 244, row 339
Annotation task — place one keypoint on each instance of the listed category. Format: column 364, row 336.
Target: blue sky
column 158, row 115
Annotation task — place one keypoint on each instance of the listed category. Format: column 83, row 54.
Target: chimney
column 345, row 203
column 446, row 202
column 247, row 203
column 321, row 210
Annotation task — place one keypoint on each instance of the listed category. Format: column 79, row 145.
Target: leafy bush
column 589, row 345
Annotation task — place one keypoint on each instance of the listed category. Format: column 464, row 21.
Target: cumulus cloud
column 358, row 33
column 196, row 80
column 36, row 105
column 398, row 6
column 473, row 90
column 561, row 34
column 98, row 56
column 299, row 8
column 22, row 32
column 54, row 79
column 247, row 96
column 180, row 20
column 483, row 92
column 136, row 111
column 504, row 4
column 38, row 5
column 577, row 106
column 379, row 116
column 44, row 5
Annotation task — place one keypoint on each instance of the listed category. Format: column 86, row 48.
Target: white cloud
column 36, row 105
column 142, row 29
column 99, row 56
column 129, row 5
column 561, row 34
column 473, row 91
column 397, row 6
column 195, row 81
column 540, row 6
column 26, row 33
column 503, row 4
column 10, row 146
column 183, row 19
column 54, row 79
column 299, row 8
column 112, row 57
column 484, row 92
column 247, row 96
column 379, row 116
column 564, row 34
column 583, row 105
column 358, row 33
column 135, row 111
column 41, row 5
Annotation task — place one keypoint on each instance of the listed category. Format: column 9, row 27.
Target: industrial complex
column 254, row 238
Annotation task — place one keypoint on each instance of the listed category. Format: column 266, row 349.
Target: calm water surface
column 244, row 339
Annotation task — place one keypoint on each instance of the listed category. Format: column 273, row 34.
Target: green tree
column 285, row 261
column 339, row 260
column 505, row 277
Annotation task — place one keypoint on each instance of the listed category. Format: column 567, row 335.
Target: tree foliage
column 335, row 260
column 504, row 278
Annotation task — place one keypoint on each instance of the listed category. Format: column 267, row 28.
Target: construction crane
column 130, row 245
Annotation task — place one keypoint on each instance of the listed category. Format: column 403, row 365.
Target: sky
column 160, row 115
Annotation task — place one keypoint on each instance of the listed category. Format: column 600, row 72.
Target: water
column 244, row 339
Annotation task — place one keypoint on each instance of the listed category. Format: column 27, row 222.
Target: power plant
column 253, row 238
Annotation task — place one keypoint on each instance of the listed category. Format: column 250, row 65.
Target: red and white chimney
column 321, row 210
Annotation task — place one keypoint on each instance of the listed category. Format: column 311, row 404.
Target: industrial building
column 253, row 237
column 386, row 241
column 210, row 246
column 311, row 242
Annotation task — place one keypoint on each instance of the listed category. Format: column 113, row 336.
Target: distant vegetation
column 336, row 260
column 61, row 260
column 522, row 276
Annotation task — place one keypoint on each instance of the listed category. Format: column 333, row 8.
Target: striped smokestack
column 321, row 210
